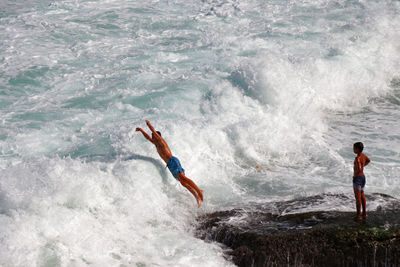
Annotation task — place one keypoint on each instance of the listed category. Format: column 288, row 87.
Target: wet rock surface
column 281, row 234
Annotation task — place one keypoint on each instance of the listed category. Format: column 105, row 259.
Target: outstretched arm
column 144, row 134
column 152, row 128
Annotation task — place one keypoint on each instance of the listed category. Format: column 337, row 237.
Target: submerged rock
column 269, row 235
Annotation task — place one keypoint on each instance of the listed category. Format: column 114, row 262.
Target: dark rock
column 262, row 235
column 243, row 256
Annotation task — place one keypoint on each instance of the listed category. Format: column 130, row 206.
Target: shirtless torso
column 359, row 163
column 162, row 147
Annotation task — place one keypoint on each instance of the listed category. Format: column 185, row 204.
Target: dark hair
column 359, row 146
column 158, row 133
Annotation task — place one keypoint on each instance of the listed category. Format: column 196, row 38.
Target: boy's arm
column 144, row 134
column 152, row 128
column 367, row 161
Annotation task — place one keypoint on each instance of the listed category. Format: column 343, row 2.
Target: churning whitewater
column 284, row 85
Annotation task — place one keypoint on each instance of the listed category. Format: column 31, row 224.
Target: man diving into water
column 172, row 162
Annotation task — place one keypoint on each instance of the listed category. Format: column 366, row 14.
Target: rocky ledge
column 280, row 234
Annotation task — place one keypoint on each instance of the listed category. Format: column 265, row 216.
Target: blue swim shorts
column 359, row 182
column 175, row 167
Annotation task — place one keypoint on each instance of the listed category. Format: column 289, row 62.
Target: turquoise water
column 286, row 85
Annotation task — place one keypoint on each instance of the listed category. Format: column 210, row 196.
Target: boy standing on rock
column 360, row 162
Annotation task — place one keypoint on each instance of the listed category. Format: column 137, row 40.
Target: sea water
column 231, row 85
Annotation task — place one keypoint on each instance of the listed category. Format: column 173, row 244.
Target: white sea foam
column 64, row 212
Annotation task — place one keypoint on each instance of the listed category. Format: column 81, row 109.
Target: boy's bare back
column 162, row 147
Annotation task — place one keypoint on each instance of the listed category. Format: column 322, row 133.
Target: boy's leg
column 364, row 204
column 188, row 187
column 192, row 184
column 185, row 182
column 357, row 195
